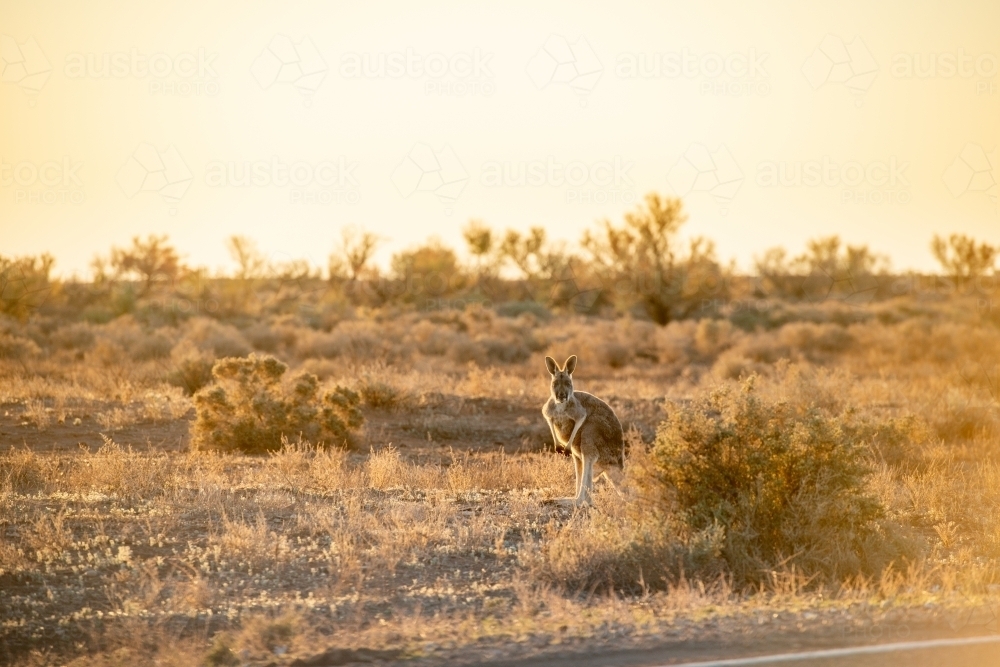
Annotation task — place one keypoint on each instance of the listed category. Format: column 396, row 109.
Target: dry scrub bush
column 17, row 348
column 204, row 341
column 351, row 339
column 219, row 339
column 249, row 409
column 76, row 336
column 608, row 343
column 192, row 368
column 787, row 487
column 378, row 388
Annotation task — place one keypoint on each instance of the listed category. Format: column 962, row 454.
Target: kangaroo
column 588, row 426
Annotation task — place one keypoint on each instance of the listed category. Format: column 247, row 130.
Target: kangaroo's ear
column 550, row 365
column 571, row 364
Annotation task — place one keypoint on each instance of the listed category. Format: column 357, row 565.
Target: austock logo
column 974, row 170
column 182, row 74
column 298, row 64
column 734, row 74
column 423, row 169
column 599, row 182
column 23, row 64
column 150, row 170
column 838, row 62
column 558, row 62
column 323, row 182
column 456, row 74
column 49, row 182
column 875, row 182
column 713, row 172
column 982, row 67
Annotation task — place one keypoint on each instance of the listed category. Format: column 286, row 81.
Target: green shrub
column 788, row 487
column 248, row 408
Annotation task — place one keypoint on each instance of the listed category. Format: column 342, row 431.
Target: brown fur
column 599, row 441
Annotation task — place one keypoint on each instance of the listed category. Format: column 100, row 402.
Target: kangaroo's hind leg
column 587, row 481
column 578, row 479
column 578, row 470
column 613, row 474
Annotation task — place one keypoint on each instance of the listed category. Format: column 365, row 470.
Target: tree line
column 640, row 265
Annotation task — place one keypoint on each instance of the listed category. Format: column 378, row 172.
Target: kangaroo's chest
column 564, row 426
column 563, row 422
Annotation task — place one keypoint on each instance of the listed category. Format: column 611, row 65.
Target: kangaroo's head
column 562, row 378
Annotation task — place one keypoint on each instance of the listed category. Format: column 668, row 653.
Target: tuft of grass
column 121, row 471
column 385, row 469
column 25, row 471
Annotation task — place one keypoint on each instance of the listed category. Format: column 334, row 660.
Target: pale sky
column 123, row 119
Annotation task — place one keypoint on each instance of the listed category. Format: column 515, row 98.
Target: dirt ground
column 457, row 596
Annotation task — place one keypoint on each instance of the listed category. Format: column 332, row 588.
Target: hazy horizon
column 286, row 123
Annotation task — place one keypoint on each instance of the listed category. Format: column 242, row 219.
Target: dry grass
column 126, row 553
column 381, row 551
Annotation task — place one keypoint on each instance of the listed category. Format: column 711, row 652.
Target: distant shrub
column 17, row 348
column 247, row 408
column 25, row 284
column 433, row 339
column 899, row 441
column 815, row 338
column 518, row 308
column 955, row 421
column 712, row 337
column 732, row 365
column 191, row 374
column 76, row 336
column 262, row 337
column 614, row 354
column 362, row 339
column 379, row 394
column 318, row 345
column 152, row 346
column 489, row 351
column 221, row 340
column 787, row 488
